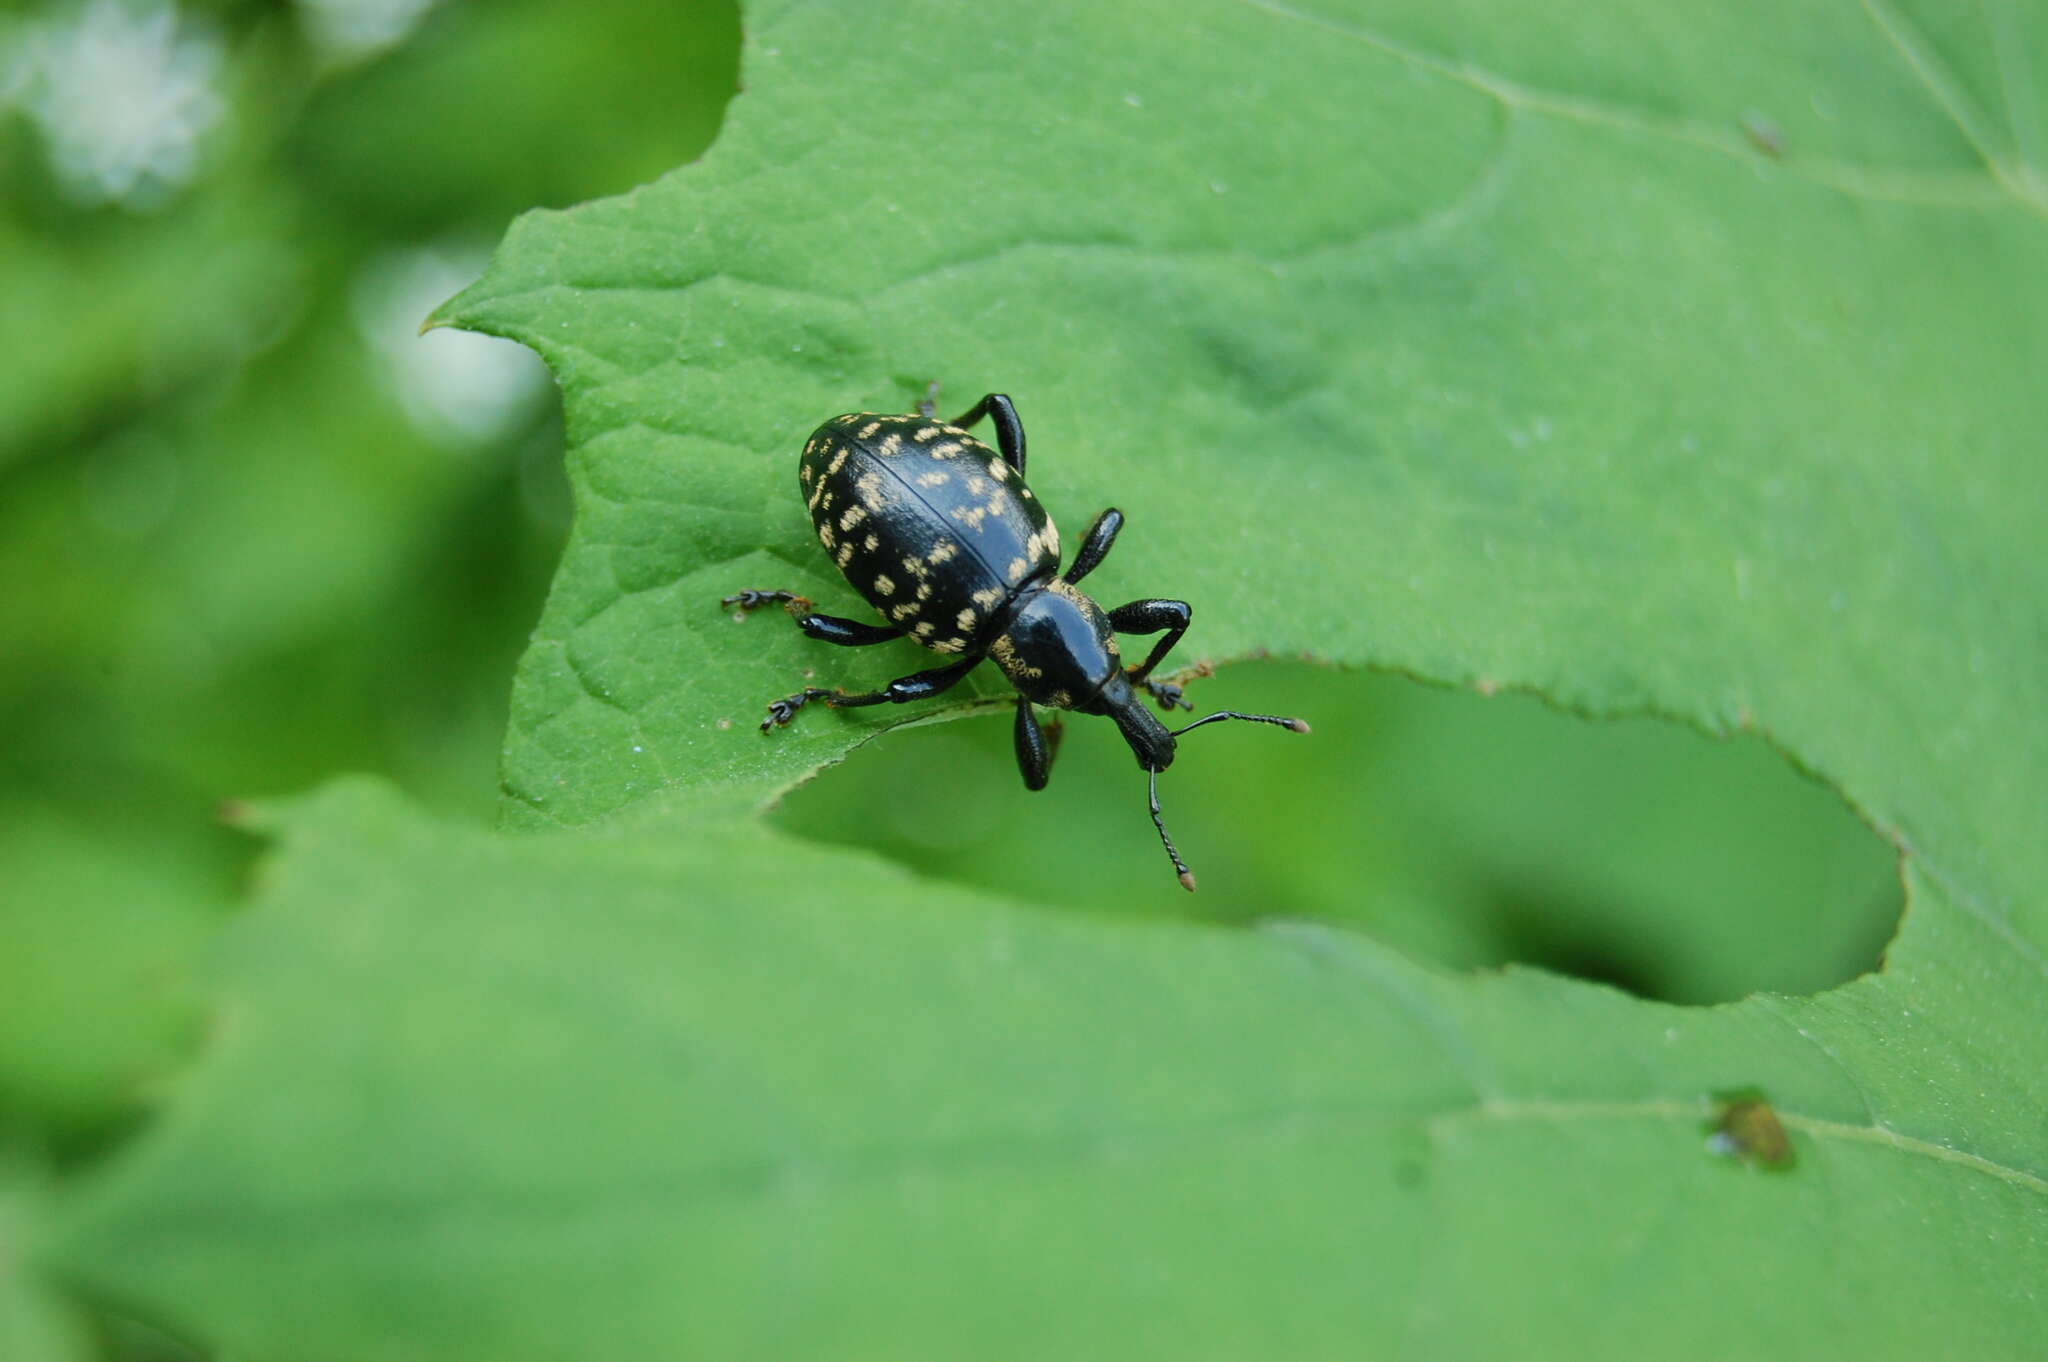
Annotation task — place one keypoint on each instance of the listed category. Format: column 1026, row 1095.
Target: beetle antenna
column 1187, row 876
column 1294, row 725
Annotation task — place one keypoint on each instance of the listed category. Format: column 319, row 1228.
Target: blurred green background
column 254, row 531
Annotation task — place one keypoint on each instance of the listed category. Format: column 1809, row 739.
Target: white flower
column 356, row 28
column 122, row 98
column 453, row 384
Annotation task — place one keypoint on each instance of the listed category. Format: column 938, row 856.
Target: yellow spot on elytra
column 825, row 535
column 885, row 585
column 941, row 551
column 999, row 470
column 976, row 484
column 914, row 566
column 804, row 474
column 904, row 611
column 945, row 450
column 867, row 431
column 1015, row 571
column 933, row 479
column 871, row 543
column 950, row 645
column 853, row 516
column 838, row 461
column 925, row 434
column 924, row 589
column 971, row 516
column 845, row 555
column 891, row 442
column 987, row 597
column 926, row 629
column 964, row 620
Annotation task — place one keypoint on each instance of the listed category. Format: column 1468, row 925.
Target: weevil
column 943, row 537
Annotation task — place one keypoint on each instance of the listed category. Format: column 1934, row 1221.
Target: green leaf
column 102, row 937
column 36, row 1324
column 718, row 1093
column 1667, row 362
column 1494, row 374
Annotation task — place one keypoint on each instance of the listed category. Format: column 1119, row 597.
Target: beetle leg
column 1036, row 746
column 846, row 633
column 831, row 628
column 754, row 600
column 1149, row 617
column 1009, row 430
column 1095, row 544
column 928, row 405
column 903, row 689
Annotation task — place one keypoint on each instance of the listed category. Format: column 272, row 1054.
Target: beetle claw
column 754, row 599
column 780, row 712
column 1168, row 695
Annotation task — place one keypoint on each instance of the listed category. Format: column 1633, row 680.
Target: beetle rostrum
column 945, row 540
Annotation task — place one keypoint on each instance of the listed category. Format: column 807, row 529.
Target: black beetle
column 942, row 536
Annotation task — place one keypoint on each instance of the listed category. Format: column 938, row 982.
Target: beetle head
column 1151, row 742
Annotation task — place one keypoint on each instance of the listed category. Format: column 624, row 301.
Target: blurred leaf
column 249, row 592
column 518, row 103
column 103, row 317
column 1404, row 344
column 237, row 564
column 658, row 1095
column 36, row 1324
column 102, row 938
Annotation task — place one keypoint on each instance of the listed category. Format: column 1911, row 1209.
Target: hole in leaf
column 1467, row 831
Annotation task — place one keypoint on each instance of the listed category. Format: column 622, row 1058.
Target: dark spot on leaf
column 1746, row 1128
column 1764, row 134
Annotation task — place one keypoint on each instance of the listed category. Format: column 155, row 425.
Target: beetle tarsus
column 754, row 600
column 780, row 712
column 1168, row 695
